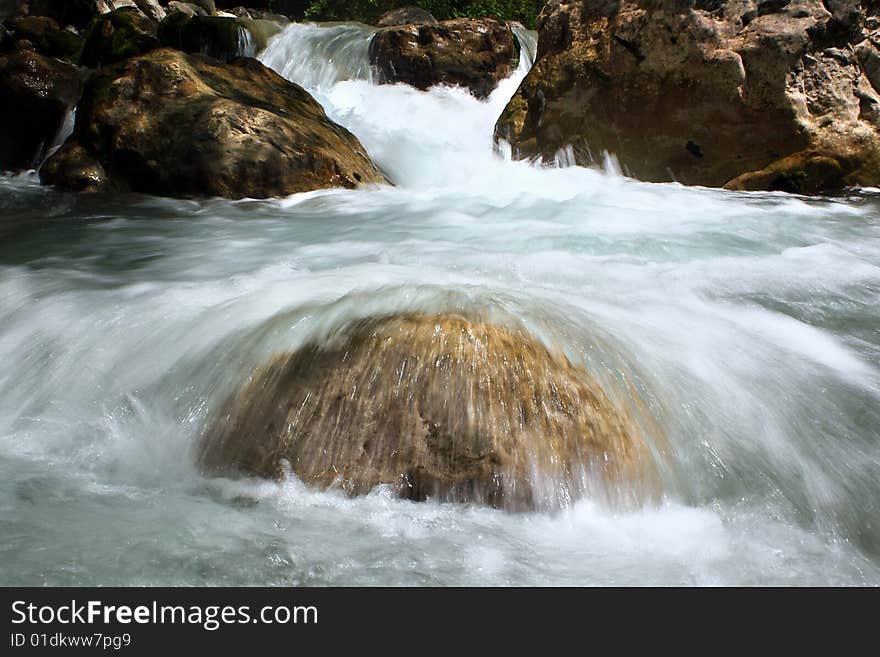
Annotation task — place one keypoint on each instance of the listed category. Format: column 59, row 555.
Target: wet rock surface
column 476, row 54
column 174, row 124
column 436, row 406
column 741, row 94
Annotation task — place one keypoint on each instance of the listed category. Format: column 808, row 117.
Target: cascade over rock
column 218, row 36
column 437, row 406
column 476, row 54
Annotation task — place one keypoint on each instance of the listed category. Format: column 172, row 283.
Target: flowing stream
column 750, row 322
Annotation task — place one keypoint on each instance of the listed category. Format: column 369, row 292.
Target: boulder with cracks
column 736, row 93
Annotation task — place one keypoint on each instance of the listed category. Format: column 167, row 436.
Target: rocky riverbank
column 742, row 94
column 169, row 101
column 160, row 105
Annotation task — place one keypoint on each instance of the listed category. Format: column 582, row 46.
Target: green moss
column 64, row 45
column 116, row 36
column 48, row 37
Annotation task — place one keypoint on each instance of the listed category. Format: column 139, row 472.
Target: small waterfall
column 438, row 137
column 564, row 157
column 246, row 45
column 48, row 148
column 63, row 133
column 317, row 57
column 225, row 47
column 741, row 328
column 528, row 43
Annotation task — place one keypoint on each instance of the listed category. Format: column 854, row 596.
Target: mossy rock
column 118, row 35
column 80, row 171
column 178, row 124
column 220, row 37
column 48, row 37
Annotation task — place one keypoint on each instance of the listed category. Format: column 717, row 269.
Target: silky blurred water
column 750, row 324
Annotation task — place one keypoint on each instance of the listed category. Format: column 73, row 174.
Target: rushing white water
column 750, row 322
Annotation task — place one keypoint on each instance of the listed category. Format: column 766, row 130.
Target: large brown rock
column 439, row 407
column 174, row 124
column 36, row 94
column 476, row 54
column 406, row 16
column 736, row 93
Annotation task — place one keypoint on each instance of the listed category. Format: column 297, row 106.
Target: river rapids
column 748, row 322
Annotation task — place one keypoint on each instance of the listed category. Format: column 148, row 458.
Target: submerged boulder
column 174, row 124
column 36, row 95
column 476, row 54
column 743, row 94
column 436, row 406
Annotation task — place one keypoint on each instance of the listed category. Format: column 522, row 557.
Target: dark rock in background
column 476, row 54
column 36, row 95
